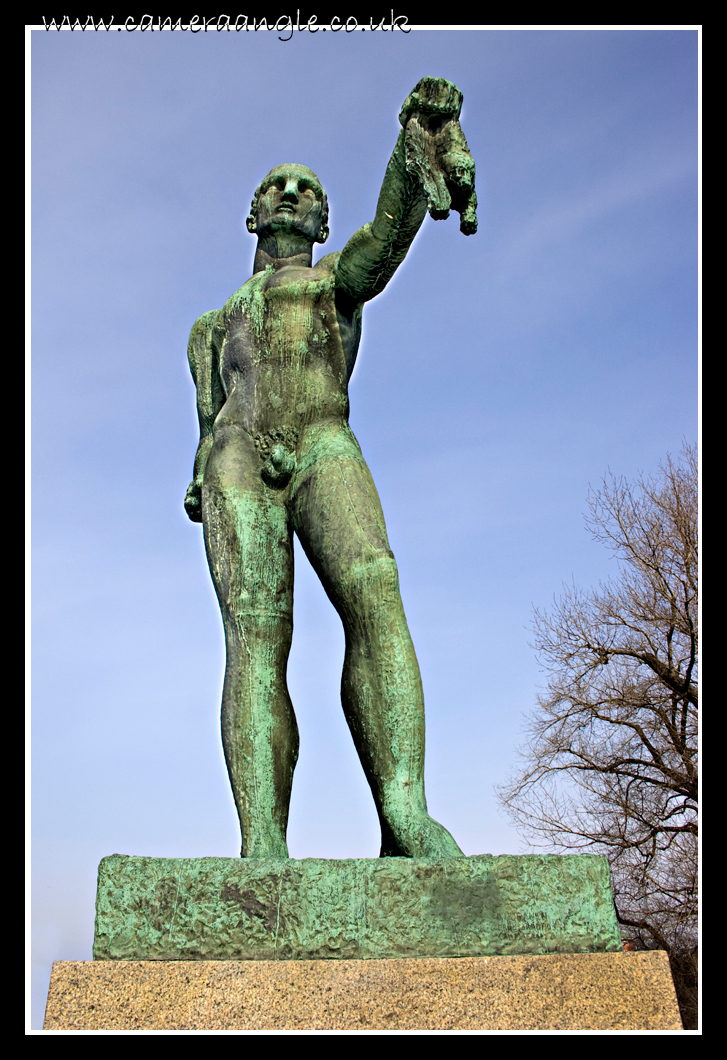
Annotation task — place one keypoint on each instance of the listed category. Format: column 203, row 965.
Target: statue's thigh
column 338, row 518
column 249, row 549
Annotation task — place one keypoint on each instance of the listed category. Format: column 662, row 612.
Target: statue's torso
column 281, row 356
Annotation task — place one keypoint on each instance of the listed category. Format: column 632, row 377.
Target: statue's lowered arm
column 431, row 169
column 203, row 354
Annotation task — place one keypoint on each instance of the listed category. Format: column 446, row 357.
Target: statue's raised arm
column 431, row 169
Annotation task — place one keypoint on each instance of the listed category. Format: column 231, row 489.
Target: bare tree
column 610, row 764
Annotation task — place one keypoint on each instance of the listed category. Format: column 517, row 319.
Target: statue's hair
column 324, row 202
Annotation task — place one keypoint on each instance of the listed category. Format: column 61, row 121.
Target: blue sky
column 499, row 375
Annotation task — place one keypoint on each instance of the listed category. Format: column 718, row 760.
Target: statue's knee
column 257, row 632
column 376, row 575
column 387, row 574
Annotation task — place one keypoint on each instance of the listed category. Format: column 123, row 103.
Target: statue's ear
column 250, row 222
column 323, row 234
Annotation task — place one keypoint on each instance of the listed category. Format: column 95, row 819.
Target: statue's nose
column 291, row 191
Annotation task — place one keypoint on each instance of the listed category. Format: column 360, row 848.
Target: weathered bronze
column 225, row 909
column 277, row 456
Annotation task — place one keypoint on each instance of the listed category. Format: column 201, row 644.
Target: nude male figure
column 276, row 456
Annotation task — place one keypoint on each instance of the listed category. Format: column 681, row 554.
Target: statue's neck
column 281, row 249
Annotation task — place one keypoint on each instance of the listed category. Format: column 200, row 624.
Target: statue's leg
column 249, row 548
column 337, row 515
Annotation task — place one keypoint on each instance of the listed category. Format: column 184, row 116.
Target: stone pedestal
column 477, row 943
column 595, row 991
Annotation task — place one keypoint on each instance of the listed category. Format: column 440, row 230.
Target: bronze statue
column 276, row 455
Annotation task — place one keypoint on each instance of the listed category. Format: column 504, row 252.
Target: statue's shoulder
column 203, row 338
column 329, row 263
column 203, row 326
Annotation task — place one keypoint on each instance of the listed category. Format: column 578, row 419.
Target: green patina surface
column 276, row 457
column 266, row 909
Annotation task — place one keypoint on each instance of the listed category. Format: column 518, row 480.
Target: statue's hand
column 193, row 503
column 436, row 150
column 432, row 97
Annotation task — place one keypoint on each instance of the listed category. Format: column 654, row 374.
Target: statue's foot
column 422, row 838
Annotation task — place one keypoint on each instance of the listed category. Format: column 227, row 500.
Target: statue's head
column 290, row 199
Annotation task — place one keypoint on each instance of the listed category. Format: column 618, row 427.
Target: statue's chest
column 286, row 318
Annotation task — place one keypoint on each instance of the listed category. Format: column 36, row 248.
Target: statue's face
column 290, row 199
